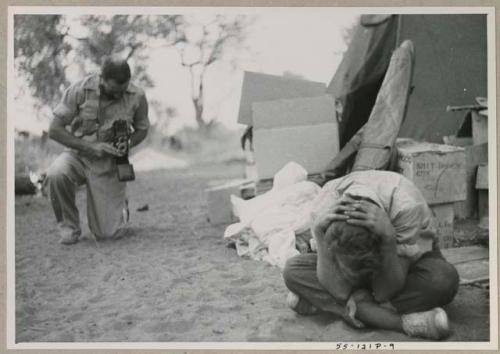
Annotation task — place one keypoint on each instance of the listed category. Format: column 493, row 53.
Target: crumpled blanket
column 270, row 222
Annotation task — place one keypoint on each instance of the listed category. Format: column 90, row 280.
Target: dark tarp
column 372, row 147
column 359, row 76
column 450, row 69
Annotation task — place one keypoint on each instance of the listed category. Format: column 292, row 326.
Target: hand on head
column 369, row 215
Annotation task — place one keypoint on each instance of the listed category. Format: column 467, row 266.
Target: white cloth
column 269, row 222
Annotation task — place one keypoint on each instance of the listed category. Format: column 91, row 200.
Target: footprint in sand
column 179, row 326
column 243, row 291
column 96, row 298
column 75, row 317
column 241, row 281
column 75, row 286
column 107, row 276
column 190, row 254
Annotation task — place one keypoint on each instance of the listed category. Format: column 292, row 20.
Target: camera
column 121, row 137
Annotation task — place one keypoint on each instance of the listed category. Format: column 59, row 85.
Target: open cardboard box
column 303, row 130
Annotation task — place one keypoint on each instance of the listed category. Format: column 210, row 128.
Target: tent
column 450, row 69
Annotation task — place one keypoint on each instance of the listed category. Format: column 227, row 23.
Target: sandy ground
column 173, row 279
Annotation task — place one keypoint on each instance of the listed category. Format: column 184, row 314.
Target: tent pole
column 398, row 30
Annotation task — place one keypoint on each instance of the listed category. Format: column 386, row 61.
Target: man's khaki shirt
column 90, row 115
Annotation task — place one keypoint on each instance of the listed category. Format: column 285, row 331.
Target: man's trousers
column 431, row 281
column 106, row 196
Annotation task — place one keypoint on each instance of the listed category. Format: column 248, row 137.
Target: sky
column 308, row 44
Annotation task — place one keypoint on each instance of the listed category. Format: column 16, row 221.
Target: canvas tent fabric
column 361, row 72
column 450, row 69
column 384, row 123
column 372, row 147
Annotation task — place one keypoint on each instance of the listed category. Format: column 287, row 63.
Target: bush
column 34, row 154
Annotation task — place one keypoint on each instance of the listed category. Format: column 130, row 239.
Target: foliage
column 45, row 45
column 39, row 51
column 123, row 35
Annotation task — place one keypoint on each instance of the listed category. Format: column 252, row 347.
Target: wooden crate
column 438, row 170
column 220, row 210
column 443, row 222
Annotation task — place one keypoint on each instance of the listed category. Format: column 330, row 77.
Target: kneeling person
column 86, row 121
column 377, row 262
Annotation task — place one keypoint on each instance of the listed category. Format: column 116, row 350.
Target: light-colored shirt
column 90, row 115
column 398, row 196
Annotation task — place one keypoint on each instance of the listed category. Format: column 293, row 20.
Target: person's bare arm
column 391, row 276
column 141, row 122
column 327, row 273
column 58, row 132
column 137, row 137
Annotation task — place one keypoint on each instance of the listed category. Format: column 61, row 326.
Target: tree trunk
column 198, row 109
column 198, row 101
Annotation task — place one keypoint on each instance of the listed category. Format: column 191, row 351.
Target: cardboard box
column 483, row 205
column 480, row 127
column 263, row 186
column 443, row 221
column 474, row 156
column 303, row 130
column 438, row 170
column 259, row 87
column 219, row 201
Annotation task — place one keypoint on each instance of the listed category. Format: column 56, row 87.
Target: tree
column 202, row 43
column 45, row 44
column 39, row 51
column 124, row 35
column 42, row 44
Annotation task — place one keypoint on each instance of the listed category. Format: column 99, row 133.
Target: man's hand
column 122, row 147
column 372, row 217
column 102, row 149
column 336, row 213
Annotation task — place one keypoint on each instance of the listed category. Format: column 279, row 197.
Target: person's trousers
column 106, row 196
column 431, row 281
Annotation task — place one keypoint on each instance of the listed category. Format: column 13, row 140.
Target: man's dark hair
column 361, row 246
column 115, row 69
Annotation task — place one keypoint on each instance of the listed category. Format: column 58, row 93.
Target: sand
column 172, row 280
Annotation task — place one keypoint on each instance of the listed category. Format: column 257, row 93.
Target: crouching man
column 377, row 261
column 86, row 121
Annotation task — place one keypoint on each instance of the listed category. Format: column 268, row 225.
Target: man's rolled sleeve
column 68, row 106
column 141, row 120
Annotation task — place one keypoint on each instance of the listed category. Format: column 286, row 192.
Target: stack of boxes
column 292, row 120
column 218, row 195
column 439, row 172
column 482, row 195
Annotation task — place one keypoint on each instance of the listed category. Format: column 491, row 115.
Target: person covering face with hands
column 377, row 261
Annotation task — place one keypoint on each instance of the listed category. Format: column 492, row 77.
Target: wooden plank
column 459, row 255
column 473, row 271
column 474, row 155
column 482, row 177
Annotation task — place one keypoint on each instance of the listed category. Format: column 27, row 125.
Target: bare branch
column 133, row 48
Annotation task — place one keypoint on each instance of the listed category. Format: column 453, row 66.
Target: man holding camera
column 98, row 119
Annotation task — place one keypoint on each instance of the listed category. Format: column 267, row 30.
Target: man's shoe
column 431, row 324
column 122, row 232
column 301, row 306
column 68, row 238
